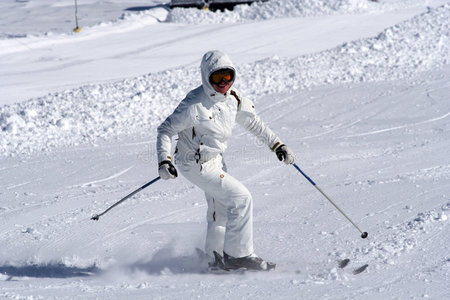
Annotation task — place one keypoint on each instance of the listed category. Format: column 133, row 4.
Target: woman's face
column 222, row 87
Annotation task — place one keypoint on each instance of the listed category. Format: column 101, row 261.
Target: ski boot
column 251, row 262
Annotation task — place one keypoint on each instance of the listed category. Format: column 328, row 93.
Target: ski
column 360, row 269
column 343, row 263
column 202, row 255
column 219, row 271
column 219, row 261
column 219, row 267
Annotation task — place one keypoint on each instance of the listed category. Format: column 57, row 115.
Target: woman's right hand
column 167, row 170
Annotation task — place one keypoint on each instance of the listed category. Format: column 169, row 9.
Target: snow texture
column 259, row 11
column 98, row 111
column 366, row 110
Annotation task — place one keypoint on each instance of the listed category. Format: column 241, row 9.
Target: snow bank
column 90, row 112
column 94, row 15
column 399, row 52
column 268, row 10
column 285, row 9
column 138, row 105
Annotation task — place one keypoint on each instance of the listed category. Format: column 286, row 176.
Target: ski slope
column 33, row 64
column 365, row 108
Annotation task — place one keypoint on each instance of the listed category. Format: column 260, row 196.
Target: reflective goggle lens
column 218, row 77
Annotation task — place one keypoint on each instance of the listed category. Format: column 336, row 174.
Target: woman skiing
column 203, row 122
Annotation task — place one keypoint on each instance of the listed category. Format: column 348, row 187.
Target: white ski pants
column 230, row 208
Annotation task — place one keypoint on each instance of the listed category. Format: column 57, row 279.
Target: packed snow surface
column 365, row 107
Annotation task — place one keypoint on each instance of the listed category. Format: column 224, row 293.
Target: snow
column 365, row 108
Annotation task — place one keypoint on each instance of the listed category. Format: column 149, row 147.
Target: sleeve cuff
column 276, row 145
column 164, row 157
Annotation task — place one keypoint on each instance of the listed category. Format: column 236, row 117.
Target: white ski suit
column 203, row 122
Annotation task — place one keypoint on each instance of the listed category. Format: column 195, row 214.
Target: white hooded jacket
column 205, row 118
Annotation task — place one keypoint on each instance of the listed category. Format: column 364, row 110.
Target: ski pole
column 96, row 217
column 363, row 234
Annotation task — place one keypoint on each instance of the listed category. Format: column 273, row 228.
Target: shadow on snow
column 48, row 271
column 166, row 262
column 142, row 8
column 162, row 262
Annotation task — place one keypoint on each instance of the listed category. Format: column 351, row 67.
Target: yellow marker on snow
column 77, row 29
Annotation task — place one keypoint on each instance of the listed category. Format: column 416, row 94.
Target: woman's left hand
column 285, row 154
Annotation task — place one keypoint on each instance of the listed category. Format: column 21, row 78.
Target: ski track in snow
column 22, row 184
column 398, row 127
column 104, row 179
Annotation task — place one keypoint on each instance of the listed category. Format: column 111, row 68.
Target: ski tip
column 217, row 256
column 343, row 263
column 200, row 252
column 271, row 266
column 360, row 269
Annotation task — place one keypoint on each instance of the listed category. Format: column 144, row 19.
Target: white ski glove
column 285, row 154
column 167, row 170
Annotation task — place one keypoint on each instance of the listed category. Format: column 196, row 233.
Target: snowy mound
column 268, row 10
column 283, row 9
column 399, row 52
column 89, row 112
column 137, row 105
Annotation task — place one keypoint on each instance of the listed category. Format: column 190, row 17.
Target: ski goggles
column 226, row 75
